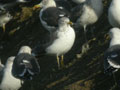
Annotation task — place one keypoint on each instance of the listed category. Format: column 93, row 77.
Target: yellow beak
column 36, row 7
column 70, row 23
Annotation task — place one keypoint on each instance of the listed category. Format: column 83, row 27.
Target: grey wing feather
column 77, row 12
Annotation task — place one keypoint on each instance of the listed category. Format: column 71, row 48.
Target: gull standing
column 114, row 13
column 87, row 13
column 7, row 80
column 61, row 42
column 5, row 6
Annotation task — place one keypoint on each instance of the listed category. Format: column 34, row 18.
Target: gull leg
column 58, row 62
column 85, row 47
column 3, row 27
column 62, row 61
column 114, row 79
column 21, row 81
column 114, row 86
column 92, row 31
column 85, row 33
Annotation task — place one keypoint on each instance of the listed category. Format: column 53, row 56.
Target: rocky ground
column 80, row 73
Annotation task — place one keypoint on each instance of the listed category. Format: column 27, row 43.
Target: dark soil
column 80, row 73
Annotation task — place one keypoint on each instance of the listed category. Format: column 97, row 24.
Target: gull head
column 114, row 32
column 25, row 49
column 64, row 21
column 45, row 4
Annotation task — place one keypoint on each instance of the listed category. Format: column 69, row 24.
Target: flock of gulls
column 60, row 18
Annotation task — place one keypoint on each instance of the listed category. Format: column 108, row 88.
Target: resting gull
column 25, row 66
column 7, row 80
column 112, row 55
column 61, row 41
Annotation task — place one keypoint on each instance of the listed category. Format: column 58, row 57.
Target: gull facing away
column 50, row 14
column 7, row 80
column 112, row 55
column 114, row 13
column 25, row 66
column 86, row 14
column 61, row 41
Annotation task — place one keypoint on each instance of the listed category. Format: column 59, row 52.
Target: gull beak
column 36, row 6
column 70, row 23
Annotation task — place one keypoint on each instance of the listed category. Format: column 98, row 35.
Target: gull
column 112, row 54
column 50, row 14
column 7, row 4
column 61, row 41
column 7, row 80
column 113, row 13
column 85, row 14
column 5, row 17
column 25, row 66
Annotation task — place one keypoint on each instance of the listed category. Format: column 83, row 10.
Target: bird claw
column 85, row 48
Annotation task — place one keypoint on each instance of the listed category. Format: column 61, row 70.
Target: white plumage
column 114, row 13
column 91, row 11
column 86, row 14
column 78, row 1
column 64, row 42
column 61, row 41
column 5, row 17
column 115, row 36
column 9, row 82
column 25, row 49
